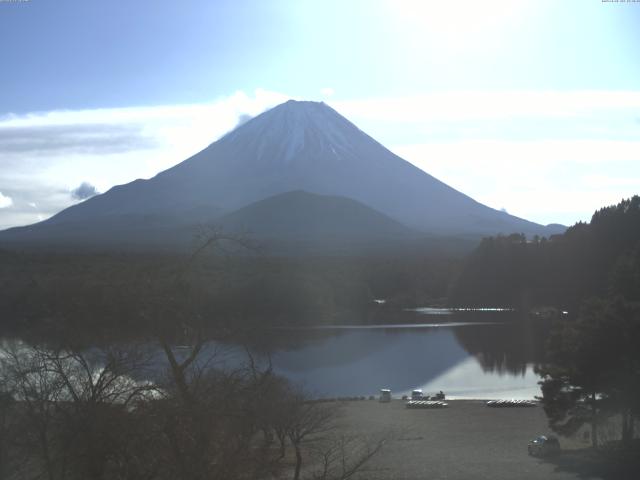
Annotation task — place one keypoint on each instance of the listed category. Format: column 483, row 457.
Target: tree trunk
column 282, row 438
column 625, row 427
column 594, row 421
column 296, row 473
column 267, row 436
column 44, row 444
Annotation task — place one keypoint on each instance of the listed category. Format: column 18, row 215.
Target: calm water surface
column 467, row 355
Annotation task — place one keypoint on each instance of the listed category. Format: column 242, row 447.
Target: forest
column 117, row 292
column 589, row 259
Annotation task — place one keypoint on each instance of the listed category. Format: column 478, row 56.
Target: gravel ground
column 467, row 440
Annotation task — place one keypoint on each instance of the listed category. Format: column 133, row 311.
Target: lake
column 468, row 354
column 486, row 354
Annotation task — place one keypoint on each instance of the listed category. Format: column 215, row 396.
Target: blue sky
column 531, row 106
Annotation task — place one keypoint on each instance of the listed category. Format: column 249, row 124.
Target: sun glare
column 456, row 22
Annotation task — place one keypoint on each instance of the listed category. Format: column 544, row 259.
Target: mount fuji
column 302, row 147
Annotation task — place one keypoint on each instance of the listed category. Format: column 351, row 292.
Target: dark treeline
column 561, row 271
column 118, row 293
column 590, row 368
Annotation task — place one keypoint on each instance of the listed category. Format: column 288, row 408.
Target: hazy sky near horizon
column 532, row 106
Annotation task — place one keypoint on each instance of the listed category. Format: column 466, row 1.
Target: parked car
column 543, row 446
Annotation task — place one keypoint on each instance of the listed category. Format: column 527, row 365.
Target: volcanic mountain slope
column 296, row 146
column 300, row 215
column 298, row 221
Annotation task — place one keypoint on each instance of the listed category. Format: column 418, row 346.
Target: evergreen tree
column 593, row 368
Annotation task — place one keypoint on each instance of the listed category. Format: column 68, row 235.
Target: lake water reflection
column 468, row 354
column 485, row 354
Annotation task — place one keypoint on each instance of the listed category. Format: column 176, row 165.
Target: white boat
column 426, row 404
column 510, row 403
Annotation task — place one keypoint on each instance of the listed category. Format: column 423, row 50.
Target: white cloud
column 45, row 155
column 514, row 154
column 327, row 91
column 549, row 156
column 608, row 181
column 5, row 201
column 546, row 181
column 468, row 105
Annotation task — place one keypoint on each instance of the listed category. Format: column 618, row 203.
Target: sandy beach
column 467, row 440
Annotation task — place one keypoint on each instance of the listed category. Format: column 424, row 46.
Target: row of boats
column 510, row 403
column 426, row 404
column 490, row 403
column 419, row 400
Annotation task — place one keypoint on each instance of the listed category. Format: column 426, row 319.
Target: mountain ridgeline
column 599, row 258
column 298, row 173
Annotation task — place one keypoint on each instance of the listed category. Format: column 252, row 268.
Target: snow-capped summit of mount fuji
column 295, row 146
column 292, row 126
